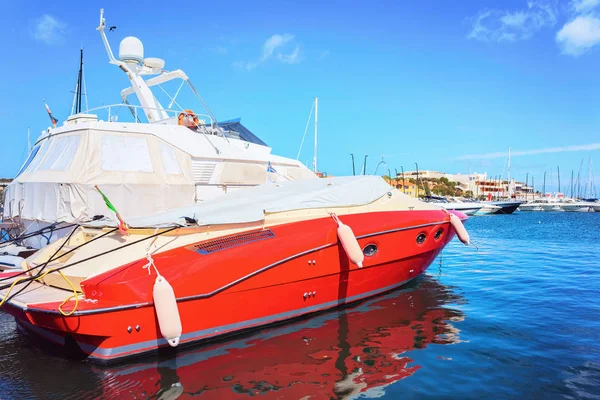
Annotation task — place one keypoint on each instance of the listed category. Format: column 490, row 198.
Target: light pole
column 353, row 171
column 377, row 167
column 365, row 165
column 417, row 165
column 390, row 175
column 396, row 180
column 403, row 181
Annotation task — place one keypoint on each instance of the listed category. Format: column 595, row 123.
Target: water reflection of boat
column 345, row 353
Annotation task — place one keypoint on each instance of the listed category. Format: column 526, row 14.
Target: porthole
column 438, row 234
column 370, row 250
column 421, row 237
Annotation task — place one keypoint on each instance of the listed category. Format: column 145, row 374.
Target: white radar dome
column 131, row 49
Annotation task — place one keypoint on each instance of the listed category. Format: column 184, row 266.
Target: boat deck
column 35, row 293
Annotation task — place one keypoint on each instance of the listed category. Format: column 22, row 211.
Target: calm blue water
column 519, row 318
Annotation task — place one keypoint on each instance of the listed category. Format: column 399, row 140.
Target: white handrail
column 171, row 113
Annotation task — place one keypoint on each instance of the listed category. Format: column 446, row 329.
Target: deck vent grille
column 202, row 172
column 211, row 246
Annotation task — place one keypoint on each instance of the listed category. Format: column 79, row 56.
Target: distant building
column 478, row 184
column 407, row 187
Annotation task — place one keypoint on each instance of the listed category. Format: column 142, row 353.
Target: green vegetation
column 435, row 186
column 442, row 187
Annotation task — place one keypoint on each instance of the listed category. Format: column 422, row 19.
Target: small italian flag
column 122, row 224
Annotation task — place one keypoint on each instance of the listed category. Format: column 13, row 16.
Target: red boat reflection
column 343, row 354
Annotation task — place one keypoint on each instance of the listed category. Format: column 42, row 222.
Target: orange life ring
column 184, row 119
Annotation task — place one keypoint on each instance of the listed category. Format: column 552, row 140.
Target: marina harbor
column 172, row 226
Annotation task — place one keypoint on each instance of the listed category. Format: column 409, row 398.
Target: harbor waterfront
column 517, row 318
column 172, row 226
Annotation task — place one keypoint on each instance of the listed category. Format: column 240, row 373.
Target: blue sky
column 450, row 85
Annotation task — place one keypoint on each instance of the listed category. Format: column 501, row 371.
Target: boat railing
column 114, row 113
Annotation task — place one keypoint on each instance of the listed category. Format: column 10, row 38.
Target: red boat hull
column 295, row 270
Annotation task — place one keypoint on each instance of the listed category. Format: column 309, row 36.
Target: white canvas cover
column 250, row 205
column 140, row 174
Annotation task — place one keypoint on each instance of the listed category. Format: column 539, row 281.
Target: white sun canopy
column 251, row 204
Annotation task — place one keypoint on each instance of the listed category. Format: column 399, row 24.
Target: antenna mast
column 150, row 104
column 316, row 129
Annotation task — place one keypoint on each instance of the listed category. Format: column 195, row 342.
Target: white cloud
column 581, row 6
column 583, row 147
column 510, row 26
column 275, row 42
column 579, row 35
column 49, row 30
column 273, row 46
column 582, row 31
column 292, row 58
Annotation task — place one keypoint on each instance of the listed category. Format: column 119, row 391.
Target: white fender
column 167, row 312
column 349, row 243
column 461, row 232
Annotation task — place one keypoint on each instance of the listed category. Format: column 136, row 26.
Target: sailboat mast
column 558, row 168
column 572, row 183
column 76, row 107
column 590, row 177
column 509, row 188
column 544, row 185
column 316, row 130
column 579, row 179
column 79, row 80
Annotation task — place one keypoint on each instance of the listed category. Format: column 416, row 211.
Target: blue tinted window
column 235, row 129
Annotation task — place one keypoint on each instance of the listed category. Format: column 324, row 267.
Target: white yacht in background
column 534, row 205
column 544, row 204
column 162, row 157
column 571, row 205
column 553, row 204
column 464, row 207
column 488, row 209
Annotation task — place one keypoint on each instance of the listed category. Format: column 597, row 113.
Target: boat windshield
column 235, row 130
